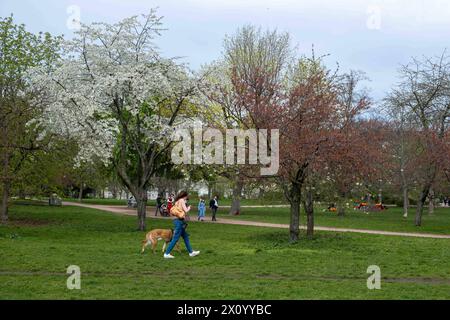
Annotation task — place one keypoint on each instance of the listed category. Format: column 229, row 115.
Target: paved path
column 261, row 206
column 151, row 212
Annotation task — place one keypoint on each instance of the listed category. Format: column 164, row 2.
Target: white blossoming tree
column 120, row 99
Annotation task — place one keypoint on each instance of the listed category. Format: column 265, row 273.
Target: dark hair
column 182, row 194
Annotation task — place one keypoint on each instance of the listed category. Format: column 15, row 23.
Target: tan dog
column 158, row 234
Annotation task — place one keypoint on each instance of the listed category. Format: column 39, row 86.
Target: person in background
column 180, row 225
column 201, row 209
column 159, row 203
column 170, row 202
column 131, row 203
column 214, row 205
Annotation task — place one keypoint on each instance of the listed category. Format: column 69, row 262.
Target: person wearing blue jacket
column 201, row 209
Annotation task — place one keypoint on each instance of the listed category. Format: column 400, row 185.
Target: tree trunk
column 431, row 204
column 5, row 199
column 420, row 204
column 80, row 194
column 210, row 186
column 294, row 225
column 261, row 192
column 22, row 195
column 141, row 200
column 309, row 209
column 341, row 210
column 405, row 201
column 405, row 190
column 114, row 192
column 235, row 206
column 6, row 187
column 237, row 192
column 403, row 165
column 341, row 207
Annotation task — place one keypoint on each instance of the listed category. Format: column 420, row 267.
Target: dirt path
column 151, row 212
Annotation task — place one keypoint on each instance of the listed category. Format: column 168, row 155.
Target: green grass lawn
column 236, row 262
column 389, row 220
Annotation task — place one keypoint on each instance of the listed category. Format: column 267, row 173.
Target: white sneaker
column 168, row 256
column 194, row 253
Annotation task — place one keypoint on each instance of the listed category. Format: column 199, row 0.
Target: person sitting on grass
column 201, row 209
column 332, row 208
column 180, row 211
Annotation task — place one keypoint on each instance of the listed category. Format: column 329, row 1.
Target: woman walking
column 180, row 210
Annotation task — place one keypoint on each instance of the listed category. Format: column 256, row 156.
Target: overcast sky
column 375, row 36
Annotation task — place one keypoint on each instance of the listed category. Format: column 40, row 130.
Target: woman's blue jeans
column 179, row 231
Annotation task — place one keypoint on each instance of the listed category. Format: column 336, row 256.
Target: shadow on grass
column 280, row 240
column 34, row 203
